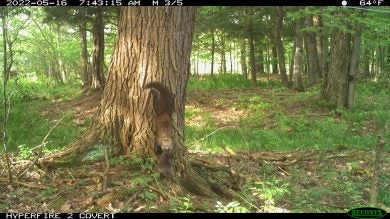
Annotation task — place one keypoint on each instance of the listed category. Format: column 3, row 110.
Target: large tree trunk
column 279, row 46
column 298, row 57
column 252, row 53
column 353, row 66
column 153, row 44
column 314, row 70
column 97, row 80
column 335, row 84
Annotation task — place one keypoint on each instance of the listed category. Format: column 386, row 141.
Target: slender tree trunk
column 317, row 22
column 252, row 53
column 268, row 60
column 324, row 47
column 4, row 16
column 298, row 57
column 261, row 60
column 244, row 67
column 84, row 52
column 255, row 44
column 373, row 70
column 279, row 46
column 212, row 50
column 314, row 70
column 335, row 84
column 352, row 66
column 97, row 80
column 377, row 70
column 223, row 54
column 230, row 57
column 366, row 63
column 197, row 64
column 274, row 61
column 291, row 69
column 60, row 70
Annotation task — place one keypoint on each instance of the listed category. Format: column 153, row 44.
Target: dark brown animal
column 163, row 106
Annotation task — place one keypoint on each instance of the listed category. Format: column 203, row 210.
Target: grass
column 267, row 118
column 269, row 125
column 227, row 81
column 30, row 116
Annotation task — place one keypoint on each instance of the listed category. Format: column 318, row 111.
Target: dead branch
column 70, row 173
column 282, row 170
column 28, row 185
column 213, row 168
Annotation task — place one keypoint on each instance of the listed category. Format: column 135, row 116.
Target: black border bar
column 92, row 215
column 191, row 2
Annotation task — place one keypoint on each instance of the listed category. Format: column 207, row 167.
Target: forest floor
column 299, row 179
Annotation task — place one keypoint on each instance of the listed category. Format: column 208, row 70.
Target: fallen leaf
column 103, row 201
column 65, row 207
column 111, row 209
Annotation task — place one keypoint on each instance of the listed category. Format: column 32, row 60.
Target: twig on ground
column 28, row 185
column 70, row 173
column 41, row 149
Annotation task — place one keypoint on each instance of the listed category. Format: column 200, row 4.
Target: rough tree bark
column 335, row 85
column 153, row 44
column 353, row 66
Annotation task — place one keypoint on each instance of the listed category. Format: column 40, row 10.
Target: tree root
column 195, row 184
column 72, row 151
